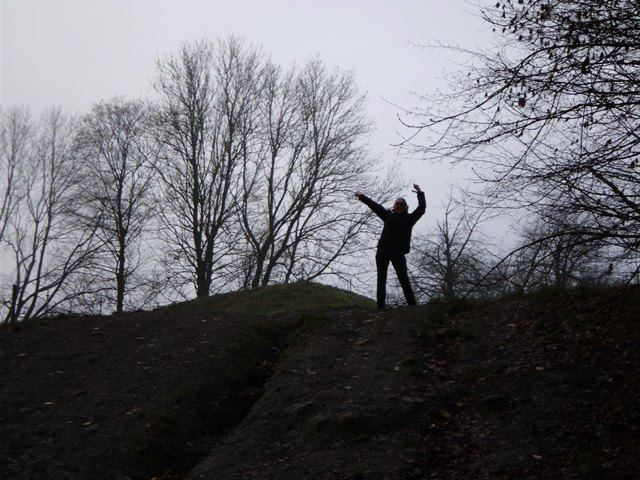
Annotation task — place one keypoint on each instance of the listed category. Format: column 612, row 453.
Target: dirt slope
column 125, row 396
column 537, row 388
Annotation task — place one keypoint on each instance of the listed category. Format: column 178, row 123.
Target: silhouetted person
column 395, row 242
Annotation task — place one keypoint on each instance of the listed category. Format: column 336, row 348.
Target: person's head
column 400, row 205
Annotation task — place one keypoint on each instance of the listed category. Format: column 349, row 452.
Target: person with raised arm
column 395, row 242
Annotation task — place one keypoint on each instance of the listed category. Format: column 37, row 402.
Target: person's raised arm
column 376, row 207
column 422, row 203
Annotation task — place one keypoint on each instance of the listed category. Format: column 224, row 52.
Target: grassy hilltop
column 309, row 381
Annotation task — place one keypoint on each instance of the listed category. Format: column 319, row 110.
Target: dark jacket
column 396, row 234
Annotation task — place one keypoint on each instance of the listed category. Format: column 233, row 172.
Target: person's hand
column 416, row 188
column 358, row 195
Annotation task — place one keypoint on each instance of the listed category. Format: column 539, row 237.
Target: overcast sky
column 74, row 53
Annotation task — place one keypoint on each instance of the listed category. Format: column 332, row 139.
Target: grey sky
column 73, row 53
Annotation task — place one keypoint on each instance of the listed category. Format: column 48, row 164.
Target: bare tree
column 15, row 130
column 549, row 117
column 453, row 261
column 551, row 255
column 204, row 118
column 48, row 249
column 310, row 157
column 114, row 144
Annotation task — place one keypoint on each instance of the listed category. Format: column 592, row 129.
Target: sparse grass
column 547, row 293
column 295, row 299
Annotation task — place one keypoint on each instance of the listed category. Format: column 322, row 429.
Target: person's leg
column 382, row 265
column 400, row 265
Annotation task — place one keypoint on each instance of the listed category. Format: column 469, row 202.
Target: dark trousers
column 399, row 263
